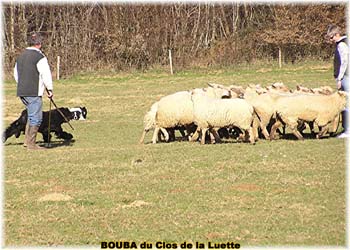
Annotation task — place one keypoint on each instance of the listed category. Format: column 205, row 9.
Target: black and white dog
column 57, row 119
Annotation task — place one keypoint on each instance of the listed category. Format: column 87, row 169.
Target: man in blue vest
column 341, row 61
column 32, row 74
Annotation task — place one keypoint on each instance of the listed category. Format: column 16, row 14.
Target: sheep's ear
column 342, row 93
column 211, row 85
column 298, row 87
column 328, row 88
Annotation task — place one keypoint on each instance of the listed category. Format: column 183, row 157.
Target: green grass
column 284, row 192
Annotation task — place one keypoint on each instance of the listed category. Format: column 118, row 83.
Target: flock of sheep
column 220, row 111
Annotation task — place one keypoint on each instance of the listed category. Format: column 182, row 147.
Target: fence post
column 171, row 62
column 280, row 57
column 58, row 68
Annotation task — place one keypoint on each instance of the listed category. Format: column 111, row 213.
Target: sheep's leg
column 311, row 126
column 182, row 132
column 284, row 130
column 188, row 135
column 251, row 135
column 297, row 133
column 246, row 135
column 195, row 135
column 143, row 136
column 322, row 132
column 263, row 125
column 214, row 137
column 275, row 126
column 155, row 135
column 165, row 133
column 241, row 137
column 293, row 124
column 204, row 131
column 334, row 125
column 301, row 126
column 160, row 134
column 190, row 130
column 256, row 125
column 265, row 132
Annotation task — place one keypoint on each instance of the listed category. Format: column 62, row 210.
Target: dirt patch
column 214, row 235
column 246, row 187
column 137, row 203
column 322, row 68
column 55, row 197
column 263, row 70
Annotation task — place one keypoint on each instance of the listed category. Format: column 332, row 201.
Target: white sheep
column 324, row 90
column 212, row 113
column 264, row 107
column 321, row 109
column 177, row 109
column 149, row 122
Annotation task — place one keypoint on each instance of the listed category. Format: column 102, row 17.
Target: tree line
column 121, row 36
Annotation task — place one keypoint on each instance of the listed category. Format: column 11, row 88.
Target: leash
column 59, row 111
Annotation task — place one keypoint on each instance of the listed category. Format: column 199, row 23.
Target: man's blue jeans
column 345, row 113
column 34, row 108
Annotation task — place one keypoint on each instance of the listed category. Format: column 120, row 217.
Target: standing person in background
column 341, row 61
column 32, row 74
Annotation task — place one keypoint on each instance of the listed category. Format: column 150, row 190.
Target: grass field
column 106, row 187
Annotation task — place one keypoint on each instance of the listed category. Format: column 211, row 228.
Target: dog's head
column 79, row 113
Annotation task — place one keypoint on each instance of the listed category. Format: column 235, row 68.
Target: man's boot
column 31, row 143
column 26, row 133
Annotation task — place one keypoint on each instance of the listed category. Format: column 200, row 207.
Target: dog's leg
column 62, row 134
column 45, row 136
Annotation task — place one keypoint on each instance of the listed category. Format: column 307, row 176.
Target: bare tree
column 121, row 36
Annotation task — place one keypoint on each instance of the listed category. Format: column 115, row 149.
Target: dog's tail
column 16, row 127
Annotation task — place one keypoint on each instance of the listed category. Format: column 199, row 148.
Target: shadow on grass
column 53, row 144
column 288, row 136
column 306, row 137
